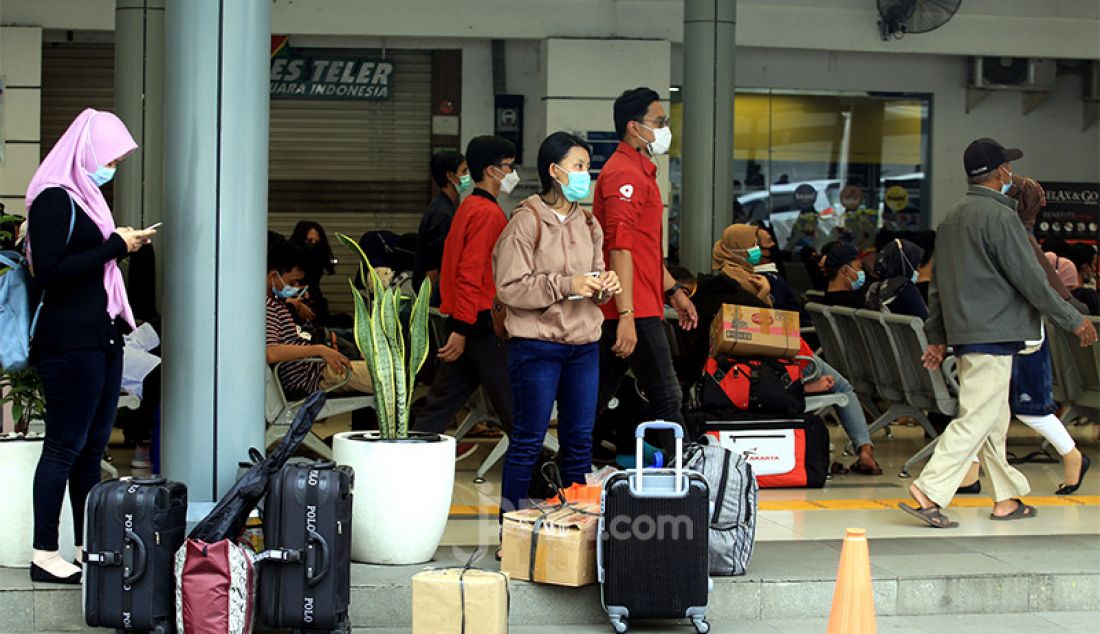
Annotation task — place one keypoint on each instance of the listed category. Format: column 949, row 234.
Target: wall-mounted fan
column 898, row 17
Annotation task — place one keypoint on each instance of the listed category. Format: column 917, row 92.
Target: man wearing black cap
column 987, row 298
column 847, row 280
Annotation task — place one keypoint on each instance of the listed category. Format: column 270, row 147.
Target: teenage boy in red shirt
column 473, row 355
column 628, row 204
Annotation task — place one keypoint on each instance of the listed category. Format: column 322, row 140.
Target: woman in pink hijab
column 74, row 248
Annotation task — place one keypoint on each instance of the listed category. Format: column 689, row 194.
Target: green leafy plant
column 393, row 361
column 24, row 391
column 7, row 224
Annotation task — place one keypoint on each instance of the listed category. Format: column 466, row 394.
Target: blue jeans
column 851, row 415
column 1031, row 393
column 81, row 389
column 542, row 372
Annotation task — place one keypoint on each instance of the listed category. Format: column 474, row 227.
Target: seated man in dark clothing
column 846, row 278
column 897, row 292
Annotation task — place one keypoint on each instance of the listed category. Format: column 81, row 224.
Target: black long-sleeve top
column 74, row 313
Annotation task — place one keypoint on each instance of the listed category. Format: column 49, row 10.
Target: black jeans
column 81, row 388
column 484, row 362
column 652, row 366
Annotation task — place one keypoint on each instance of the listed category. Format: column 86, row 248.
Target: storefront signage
column 1072, row 212
column 298, row 74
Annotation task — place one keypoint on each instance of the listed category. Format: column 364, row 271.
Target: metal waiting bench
column 926, row 390
column 1076, row 373
column 873, row 356
column 279, row 411
column 848, row 360
column 479, row 408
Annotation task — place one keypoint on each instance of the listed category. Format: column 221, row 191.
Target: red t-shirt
column 628, row 205
column 466, row 277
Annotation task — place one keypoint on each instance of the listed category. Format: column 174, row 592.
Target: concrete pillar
column 139, row 102
column 708, row 94
column 216, row 142
column 582, row 102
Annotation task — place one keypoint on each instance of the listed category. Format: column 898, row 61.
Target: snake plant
column 393, row 362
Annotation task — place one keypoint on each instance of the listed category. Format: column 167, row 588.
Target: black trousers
column 81, row 388
column 484, row 362
column 651, row 363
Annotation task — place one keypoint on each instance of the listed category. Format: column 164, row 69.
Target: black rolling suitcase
column 132, row 530
column 653, row 549
column 305, row 582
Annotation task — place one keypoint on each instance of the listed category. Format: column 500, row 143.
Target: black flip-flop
column 1022, row 512
column 1067, row 489
column 931, row 516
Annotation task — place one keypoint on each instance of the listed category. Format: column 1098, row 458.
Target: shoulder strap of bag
column 69, row 237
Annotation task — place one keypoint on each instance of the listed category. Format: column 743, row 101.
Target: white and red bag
column 215, row 588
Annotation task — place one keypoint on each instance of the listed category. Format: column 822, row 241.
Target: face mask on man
column 1007, row 186
column 102, row 176
column 509, row 182
column 662, row 140
column 861, row 279
column 464, row 182
column 578, row 186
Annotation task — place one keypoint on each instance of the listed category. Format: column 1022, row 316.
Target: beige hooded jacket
column 535, row 281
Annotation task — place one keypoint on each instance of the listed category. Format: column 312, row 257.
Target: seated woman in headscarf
column 897, row 292
column 736, row 282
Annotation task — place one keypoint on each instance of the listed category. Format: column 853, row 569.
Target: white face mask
column 509, row 182
column 662, row 140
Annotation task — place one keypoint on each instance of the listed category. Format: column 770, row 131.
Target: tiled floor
column 849, row 500
column 1076, row 622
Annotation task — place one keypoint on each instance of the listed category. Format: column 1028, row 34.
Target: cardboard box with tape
column 556, row 546
column 749, row 331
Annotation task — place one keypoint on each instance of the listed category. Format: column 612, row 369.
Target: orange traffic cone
column 853, row 601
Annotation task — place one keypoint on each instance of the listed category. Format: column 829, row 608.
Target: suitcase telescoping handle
column 133, row 558
column 639, row 436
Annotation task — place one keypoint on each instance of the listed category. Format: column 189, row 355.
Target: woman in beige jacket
column 550, row 275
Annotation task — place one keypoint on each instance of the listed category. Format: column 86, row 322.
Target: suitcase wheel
column 620, row 625
column 702, row 626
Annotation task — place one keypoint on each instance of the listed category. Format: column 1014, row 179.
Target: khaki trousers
column 360, row 379
column 980, row 429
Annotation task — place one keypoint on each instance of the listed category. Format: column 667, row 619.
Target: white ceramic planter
column 18, row 460
column 402, row 495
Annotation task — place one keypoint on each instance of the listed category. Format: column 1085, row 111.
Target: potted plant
column 21, row 395
column 405, row 478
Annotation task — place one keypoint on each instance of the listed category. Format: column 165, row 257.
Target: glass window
column 795, row 154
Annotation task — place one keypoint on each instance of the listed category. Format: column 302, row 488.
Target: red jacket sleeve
column 477, row 256
column 618, row 195
column 804, row 350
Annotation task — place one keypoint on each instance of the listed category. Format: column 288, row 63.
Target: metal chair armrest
column 950, row 371
column 344, row 381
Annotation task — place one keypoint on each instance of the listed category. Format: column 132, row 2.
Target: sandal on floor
column 857, row 467
column 1067, row 489
column 931, row 516
column 1022, row 512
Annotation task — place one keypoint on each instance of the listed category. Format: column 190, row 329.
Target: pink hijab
column 1066, row 270
column 93, row 139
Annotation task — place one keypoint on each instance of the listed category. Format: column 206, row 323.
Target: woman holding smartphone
column 550, row 275
column 74, row 249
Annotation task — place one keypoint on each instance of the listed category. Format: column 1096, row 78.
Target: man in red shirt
column 628, row 204
column 473, row 355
